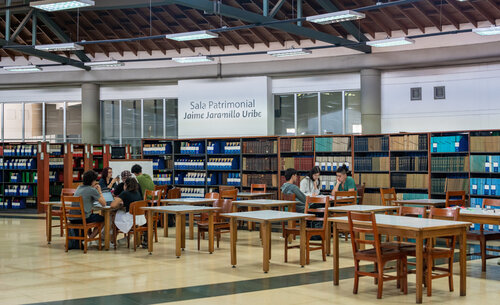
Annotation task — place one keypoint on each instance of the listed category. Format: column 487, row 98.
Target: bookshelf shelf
column 189, row 185
column 224, row 170
column 259, row 155
column 190, row 155
column 409, row 172
column 485, row 196
column 374, row 172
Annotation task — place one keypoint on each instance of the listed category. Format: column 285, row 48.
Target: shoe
column 122, row 241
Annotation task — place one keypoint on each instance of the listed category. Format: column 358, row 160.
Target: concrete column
column 371, row 101
column 91, row 114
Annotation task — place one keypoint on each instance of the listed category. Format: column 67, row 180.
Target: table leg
column 183, row 232
column 269, row 235
column 178, row 234
column 303, row 249
column 251, row 225
column 150, row 231
column 210, row 232
column 107, row 228
column 165, row 224
column 463, row 262
column 419, row 267
column 48, row 223
column 266, row 241
column 335, row 255
column 328, row 238
column 234, row 233
column 191, row 227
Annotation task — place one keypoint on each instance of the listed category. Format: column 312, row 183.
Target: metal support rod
column 343, row 112
column 33, row 29
column 120, row 121
column 23, row 127
column 2, row 122
column 265, row 8
column 164, row 118
column 65, row 124
column 142, row 118
column 43, row 121
column 299, row 12
column 7, row 20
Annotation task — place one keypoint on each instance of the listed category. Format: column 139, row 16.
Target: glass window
column 13, row 121
column 171, row 111
column 331, row 113
column 284, row 114
column 33, row 121
column 153, row 118
column 307, row 113
column 131, row 125
column 54, row 122
column 74, row 122
column 353, row 111
column 110, row 122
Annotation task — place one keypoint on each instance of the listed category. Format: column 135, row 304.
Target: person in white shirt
column 310, row 184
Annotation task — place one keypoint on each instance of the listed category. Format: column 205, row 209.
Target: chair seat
column 399, row 245
column 387, row 254
column 488, row 235
column 216, row 224
column 297, row 230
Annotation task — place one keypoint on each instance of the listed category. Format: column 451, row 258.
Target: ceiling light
column 71, row 46
column 28, row 68
column 401, row 41
column 103, row 64
column 59, row 5
column 192, row 35
column 289, row 52
column 336, row 17
column 192, row 59
column 493, row 30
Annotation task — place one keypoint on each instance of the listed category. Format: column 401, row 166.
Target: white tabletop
column 267, row 215
column 411, row 223
column 59, row 203
column 422, row 201
column 188, row 200
column 362, row 208
column 480, row 212
column 248, row 194
column 264, row 202
column 180, row 209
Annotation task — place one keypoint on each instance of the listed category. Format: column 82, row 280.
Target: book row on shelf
column 296, row 145
column 223, row 163
column 376, row 164
column 260, row 147
column 410, row 181
column 327, row 144
column 17, row 163
column 260, row 163
column 367, row 144
column 447, row 144
column 299, row 163
column 228, row 148
column 19, row 150
column 408, row 143
column 451, row 183
column 485, row 143
column 485, row 186
column 484, row 163
column 450, row 164
column 409, row 163
column 330, row 164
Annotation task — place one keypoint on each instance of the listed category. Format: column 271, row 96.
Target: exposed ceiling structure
column 112, row 19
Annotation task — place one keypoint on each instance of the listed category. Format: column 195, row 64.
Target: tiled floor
column 33, row 272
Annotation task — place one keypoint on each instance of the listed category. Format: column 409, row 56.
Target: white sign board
column 225, row 107
column 119, row 166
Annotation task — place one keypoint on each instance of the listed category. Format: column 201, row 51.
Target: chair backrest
column 163, row 189
column 339, row 200
column 229, row 194
column 361, row 192
column 388, row 196
column 455, row 198
column 355, row 219
column 448, row 214
column 155, row 197
column 258, row 188
column 67, row 192
column 174, row 193
column 412, row 211
column 324, row 201
column 225, row 205
column 67, row 209
column 75, row 185
column 489, row 202
column 135, row 208
column 223, row 188
column 212, row 195
column 289, row 197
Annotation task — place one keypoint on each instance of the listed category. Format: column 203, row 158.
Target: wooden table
column 266, row 217
column 180, row 212
column 184, row 201
column 106, row 212
column 478, row 215
column 264, row 204
column 410, row 227
column 428, row 203
column 248, row 195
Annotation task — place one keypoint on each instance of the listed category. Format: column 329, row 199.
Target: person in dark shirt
column 107, row 182
column 123, row 219
column 289, row 187
column 124, row 176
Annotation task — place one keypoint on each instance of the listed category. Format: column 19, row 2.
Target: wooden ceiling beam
column 365, row 28
column 437, row 24
column 187, row 43
column 411, row 18
column 400, row 24
column 442, row 12
column 99, row 34
column 375, row 19
column 149, row 49
column 457, row 8
column 226, row 35
column 494, row 5
column 487, row 15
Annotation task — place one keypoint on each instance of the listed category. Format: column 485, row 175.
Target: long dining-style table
column 254, row 195
column 428, row 203
column 410, row 227
column 180, row 212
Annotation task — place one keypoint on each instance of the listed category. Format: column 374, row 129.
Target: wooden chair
column 361, row 192
column 405, row 245
column 163, row 189
column 221, row 224
column 288, row 197
column 134, row 210
column 154, row 201
column 379, row 254
column 338, row 199
column 388, row 196
column 58, row 213
column 211, row 195
column 75, row 185
column 82, row 227
column 455, row 198
column 484, row 236
column 229, row 194
column 258, row 188
column 223, row 188
column 310, row 232
column 174, row 193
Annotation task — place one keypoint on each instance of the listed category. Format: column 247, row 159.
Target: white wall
column 132, row 91
column 44, row 94
column 472, row 99
column 331, row 82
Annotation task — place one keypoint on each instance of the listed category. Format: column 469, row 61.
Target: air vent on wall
column 416, row 94
column 439, row 93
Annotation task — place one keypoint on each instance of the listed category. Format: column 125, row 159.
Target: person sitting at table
column 344, row 182
column 289, row 187
column 90, row 191
column 123, row 219
column 310, row 184
column 107, row 182
column 124, row 176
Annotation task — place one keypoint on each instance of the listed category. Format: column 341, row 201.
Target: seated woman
column 310, row 184
column 107, row 182
column 124, row 176
column 344, row 182
column 123, row 219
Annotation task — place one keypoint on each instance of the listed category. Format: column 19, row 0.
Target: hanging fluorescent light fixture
column 336, row 17
column 59, row 5
column 192, row 35
column 401, row 41
column 104, row 64
column 71, row 46
column 289, row 52
column 28, row 68
column 493, row 30
column 192, row 59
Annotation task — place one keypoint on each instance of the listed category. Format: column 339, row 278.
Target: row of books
column 23, row 177
column 371, row 164
column 372, row 199
column 229, row 179
column 327, row 182
column 408, row 142
column 55, row 149
column 484, row 163
column 223, row 147
column 17, row 203
column 409, row 163
column 55, row 190
column 269, row 180
column 296, row 145
column 264, row 164
column 446, row 144
column 485, row 186
column 223, row 163
column 450, row 164
column 333, row 144
column 56, row 176
column 371, row 144
column 411, row 181
column 373, row 180
column 260, row 147
column 411, row 196
column 485, row 144
column 19, row 150
column 157, row 149
column 162, row 163
column 192, row 192
column 198, row 164
column 20, row 190
column 56, row 162
column 330, row 164
column 299, row 163
column 162, row 179
column 17, row 163
column 78, row 152
column 192, row 148
column 442, row 185
column 478, row 203
column 190, row 178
